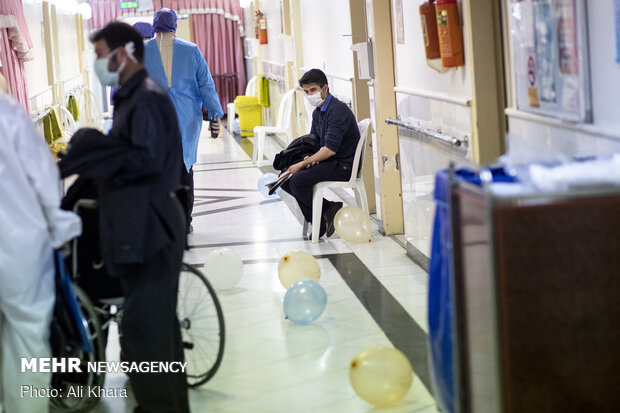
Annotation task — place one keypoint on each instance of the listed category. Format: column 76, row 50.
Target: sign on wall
column 400, row 24
column 129, row 5
column 550, row 58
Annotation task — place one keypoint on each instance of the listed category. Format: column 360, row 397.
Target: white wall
column 274, row 50
column 273, row 57
column 420, row 162
column 326, row 30
column 580, row 139
column 36, row 69
column 605, row 70
column 67, row 46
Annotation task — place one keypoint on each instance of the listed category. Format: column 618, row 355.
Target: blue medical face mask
column 104, row 75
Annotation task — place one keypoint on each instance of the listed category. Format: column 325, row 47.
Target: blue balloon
column 268, row 178
column 304, row 302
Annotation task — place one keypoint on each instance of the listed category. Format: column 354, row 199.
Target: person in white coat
column 32, row 225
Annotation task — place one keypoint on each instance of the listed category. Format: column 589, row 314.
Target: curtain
column 15, row 46
column 12, row 18
column 105, row 11
column 217, row 26
column 13, row 70
column 219, row 40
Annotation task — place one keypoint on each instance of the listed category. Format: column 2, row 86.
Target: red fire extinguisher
column 450, row 35
column 261, row 27
column 428, row 19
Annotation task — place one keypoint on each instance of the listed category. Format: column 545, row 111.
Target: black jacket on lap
column 137, row 168
column 299, row 148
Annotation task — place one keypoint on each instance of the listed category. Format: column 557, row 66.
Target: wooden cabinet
column 537, row 302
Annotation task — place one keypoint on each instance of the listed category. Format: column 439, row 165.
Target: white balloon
column 223, row 268
column 296, row 266
column 353, row 225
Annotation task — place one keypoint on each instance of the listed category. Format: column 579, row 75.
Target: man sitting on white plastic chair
column 335, row 125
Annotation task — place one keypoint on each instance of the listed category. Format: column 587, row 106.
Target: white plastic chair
column 356, row 183
column 283, row 125
column 70, row 122
column 250, row 90
column 309, row 110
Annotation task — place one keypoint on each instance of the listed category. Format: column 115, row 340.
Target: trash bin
column 250, row 114
column 440, row 293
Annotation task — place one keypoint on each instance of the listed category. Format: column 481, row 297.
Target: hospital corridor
column 321, row 206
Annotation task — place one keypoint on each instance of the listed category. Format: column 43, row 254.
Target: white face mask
column 106, row 77
column 315, row 99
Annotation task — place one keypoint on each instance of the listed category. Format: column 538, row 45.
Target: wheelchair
column 89, row 300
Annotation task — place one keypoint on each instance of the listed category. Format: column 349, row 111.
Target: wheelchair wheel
column 202, row 326
column 74, row 387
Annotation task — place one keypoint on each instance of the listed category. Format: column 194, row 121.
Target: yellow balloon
column 296, row 266
column 382, row 376
column 353, row 225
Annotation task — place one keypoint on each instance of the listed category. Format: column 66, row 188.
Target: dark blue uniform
column 142, row 228
column 335, row 125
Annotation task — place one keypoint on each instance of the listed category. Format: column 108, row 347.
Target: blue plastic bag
column 440, row 299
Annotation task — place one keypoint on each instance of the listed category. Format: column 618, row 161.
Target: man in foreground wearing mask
column 180, row 68
column 146, row 31
column 335, row 125
column 142, row 226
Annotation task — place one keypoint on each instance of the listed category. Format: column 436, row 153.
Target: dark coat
column 137, row 169
column 299, row 148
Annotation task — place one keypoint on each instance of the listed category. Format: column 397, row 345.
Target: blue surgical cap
column 164, row 21
column 145, row 29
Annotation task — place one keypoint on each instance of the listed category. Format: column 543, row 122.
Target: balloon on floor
column 268, row 178
column 296, row 266
column 304, row 302
column 382, row 376
column 223, row 268
column 353, row 225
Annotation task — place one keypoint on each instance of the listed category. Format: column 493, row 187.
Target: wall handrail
column 441, row 97
column 44, row 91
column 563, row 124
column 333, row 76
column 272, row 77
column 272, row 63
column 70, row 78
column 346, row 79
column 44, row 113
column 74, row 90
column 435, row 138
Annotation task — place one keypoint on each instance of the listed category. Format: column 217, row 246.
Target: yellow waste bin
column 250, row 114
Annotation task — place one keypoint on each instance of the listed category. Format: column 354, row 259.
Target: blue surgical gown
column 192, row 87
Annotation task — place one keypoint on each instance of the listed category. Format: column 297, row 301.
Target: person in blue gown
column 180, row 67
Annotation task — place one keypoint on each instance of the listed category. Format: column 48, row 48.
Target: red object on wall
column 428, row 18
column 450, row 34
column 261, row 27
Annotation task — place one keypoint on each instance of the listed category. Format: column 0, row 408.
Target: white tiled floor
column 270, row 364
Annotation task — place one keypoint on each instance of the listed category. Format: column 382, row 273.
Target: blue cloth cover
column 440, row 294
column 164, row 21
column 145, row 29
